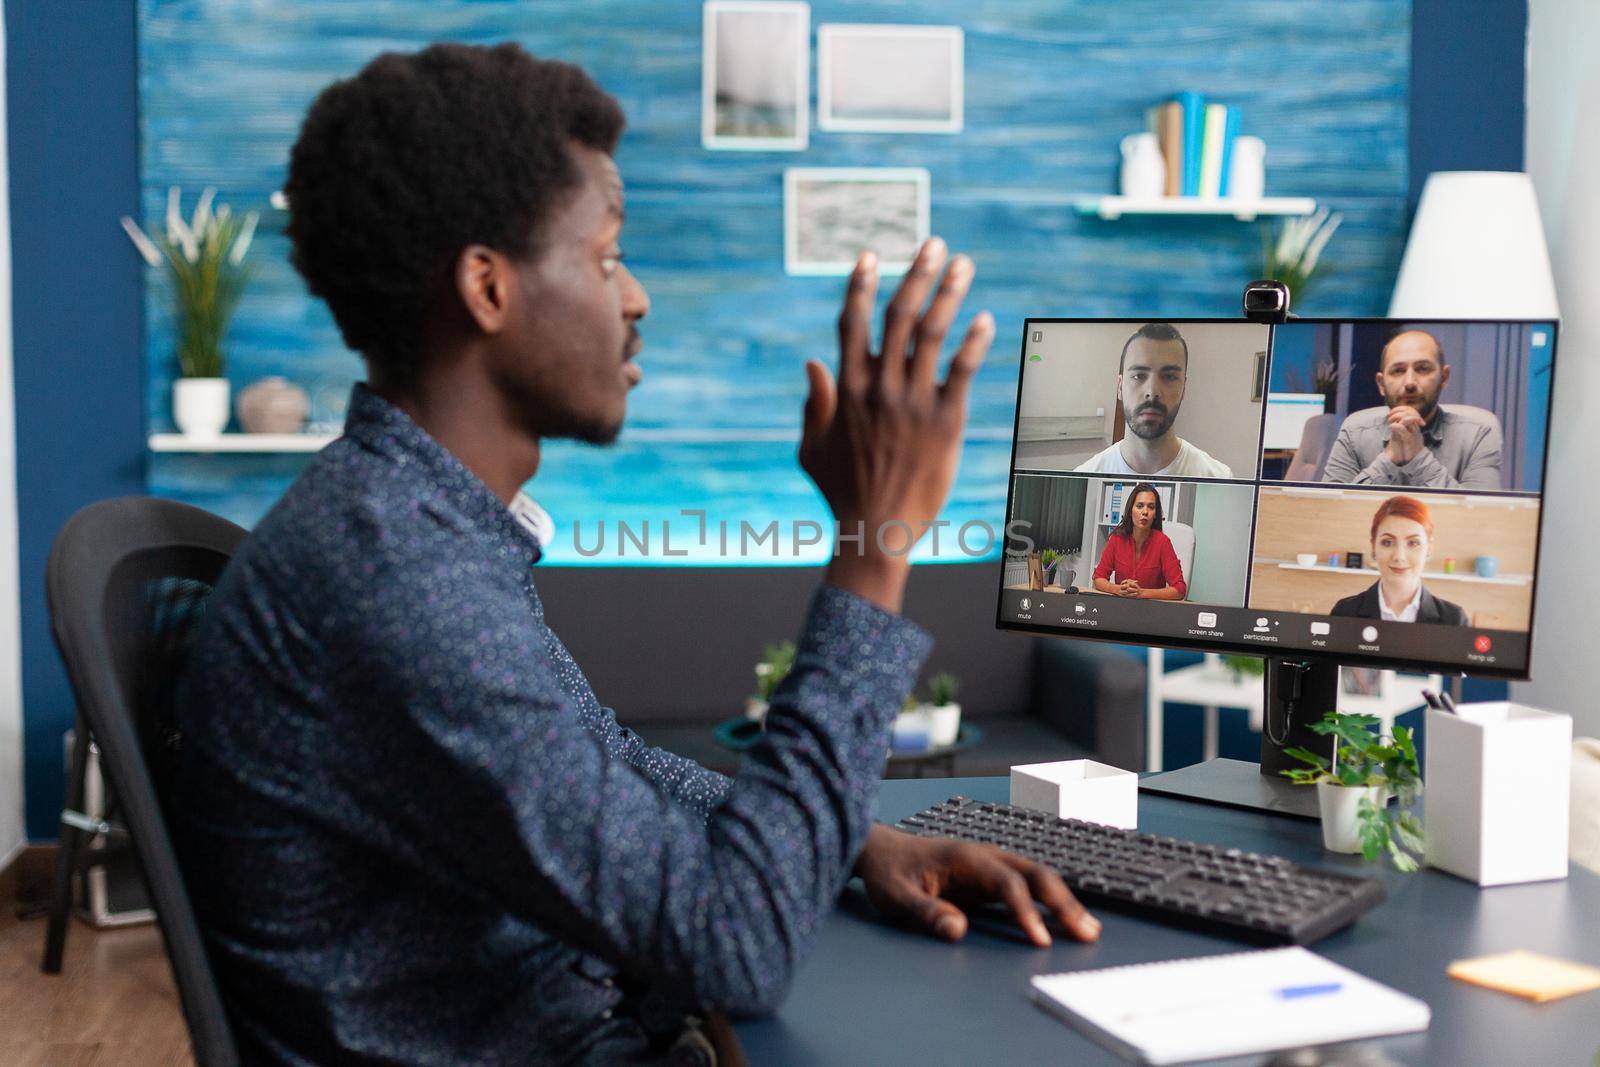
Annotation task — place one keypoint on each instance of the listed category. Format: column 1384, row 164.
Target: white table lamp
column 1476, row 251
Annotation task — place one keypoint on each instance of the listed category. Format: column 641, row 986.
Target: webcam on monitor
column 1266, row 301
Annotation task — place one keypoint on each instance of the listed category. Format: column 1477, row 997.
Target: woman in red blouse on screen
column 1138, row 560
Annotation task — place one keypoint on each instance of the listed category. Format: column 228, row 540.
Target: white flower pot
column 200, row 406
column 944, row 723
column 1340, row 806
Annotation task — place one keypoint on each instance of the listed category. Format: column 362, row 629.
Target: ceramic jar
column 273, row 405
column 1144, row 169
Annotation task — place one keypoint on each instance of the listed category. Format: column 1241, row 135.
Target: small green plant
column 775, row 663
column 1254, row 666
column 1362, row 758
column 942, row 689
column 1048, row 556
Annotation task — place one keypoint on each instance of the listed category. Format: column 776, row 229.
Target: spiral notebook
column 1233, row 1005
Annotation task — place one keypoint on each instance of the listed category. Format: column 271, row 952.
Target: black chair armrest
column 1094, row 695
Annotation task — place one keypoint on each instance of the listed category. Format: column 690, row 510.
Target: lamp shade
column 1476, row 251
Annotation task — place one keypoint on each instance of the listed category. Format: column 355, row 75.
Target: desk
column 871, row 993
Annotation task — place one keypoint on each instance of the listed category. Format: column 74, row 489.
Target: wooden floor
column 112, row 1003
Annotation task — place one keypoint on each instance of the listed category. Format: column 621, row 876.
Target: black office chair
column 126, row 584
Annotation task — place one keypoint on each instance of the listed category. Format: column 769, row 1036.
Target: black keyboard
column 1224, row 891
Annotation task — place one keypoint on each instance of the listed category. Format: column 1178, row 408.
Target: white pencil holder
column 1497, row 799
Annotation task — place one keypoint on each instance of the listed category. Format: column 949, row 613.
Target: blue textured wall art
column 1050, row 89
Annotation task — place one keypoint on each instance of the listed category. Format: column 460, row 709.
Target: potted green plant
column 1353, row 789
column 204, row 259
column 1047, row 559
column 1242, row 667
column 1291, row 254
column 775, row 663
column 944, row 714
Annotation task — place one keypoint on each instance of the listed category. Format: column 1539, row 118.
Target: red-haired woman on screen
column 1138, row 560
column 1402, row 541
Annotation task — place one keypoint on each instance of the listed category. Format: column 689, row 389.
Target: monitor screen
column 1366, row 490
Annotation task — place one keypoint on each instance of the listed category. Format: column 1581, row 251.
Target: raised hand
column 883, row 443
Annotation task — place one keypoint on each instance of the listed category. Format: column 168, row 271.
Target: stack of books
column 1197, row 141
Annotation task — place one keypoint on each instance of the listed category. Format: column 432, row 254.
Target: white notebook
column 1233, row 1005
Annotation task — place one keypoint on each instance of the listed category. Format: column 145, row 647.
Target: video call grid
column 1261, row 483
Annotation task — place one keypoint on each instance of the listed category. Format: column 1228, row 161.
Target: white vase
column 944, row 723
column 1247, row 174
column 1340, row 806
column 200, row 406
column 1144, row 169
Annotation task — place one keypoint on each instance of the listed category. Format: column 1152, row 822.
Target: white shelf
column 1431, row 576
column 1114, row 207
column 241, row 442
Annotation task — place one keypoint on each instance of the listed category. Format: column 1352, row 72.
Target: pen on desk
column 1292, row 992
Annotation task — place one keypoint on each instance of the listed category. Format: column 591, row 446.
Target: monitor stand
column 1299, row 693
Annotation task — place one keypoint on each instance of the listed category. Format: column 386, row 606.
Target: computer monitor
column 1318, row 492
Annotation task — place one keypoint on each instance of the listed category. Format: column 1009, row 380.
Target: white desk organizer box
column 1078, row 789
column 1496, row 801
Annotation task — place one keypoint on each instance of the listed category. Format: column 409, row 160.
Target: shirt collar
column 533, row 518
column 1385, row 609
column 378, row 425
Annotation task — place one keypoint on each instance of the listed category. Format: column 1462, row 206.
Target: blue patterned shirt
column 413, row 835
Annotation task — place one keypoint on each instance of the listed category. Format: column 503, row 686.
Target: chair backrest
column 126, row 584
column 1181, row 534
column 1316, row 444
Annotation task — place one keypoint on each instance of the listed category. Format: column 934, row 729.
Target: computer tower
column 111, row 893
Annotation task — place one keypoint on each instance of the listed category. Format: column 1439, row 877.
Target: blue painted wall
column 72, row 135
column 75, row 317
column 1049, row 93
column 1468, row 86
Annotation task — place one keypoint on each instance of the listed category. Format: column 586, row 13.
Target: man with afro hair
column 411, row 832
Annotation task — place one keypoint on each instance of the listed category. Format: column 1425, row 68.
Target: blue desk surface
column 872, row 993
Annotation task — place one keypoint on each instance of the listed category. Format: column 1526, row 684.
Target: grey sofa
column 672, row 650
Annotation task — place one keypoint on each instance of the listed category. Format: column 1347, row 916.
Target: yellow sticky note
column 1527, row 974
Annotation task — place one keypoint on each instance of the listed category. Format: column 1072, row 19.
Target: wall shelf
column 1114, row 207
column 241, row 442
column 1431, row 576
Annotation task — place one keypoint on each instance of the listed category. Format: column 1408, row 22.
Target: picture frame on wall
column 755, row 88
column 890, row 79
column 832, row 214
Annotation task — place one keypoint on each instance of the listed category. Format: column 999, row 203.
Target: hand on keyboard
column 917, row 880
column 1211, row 888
